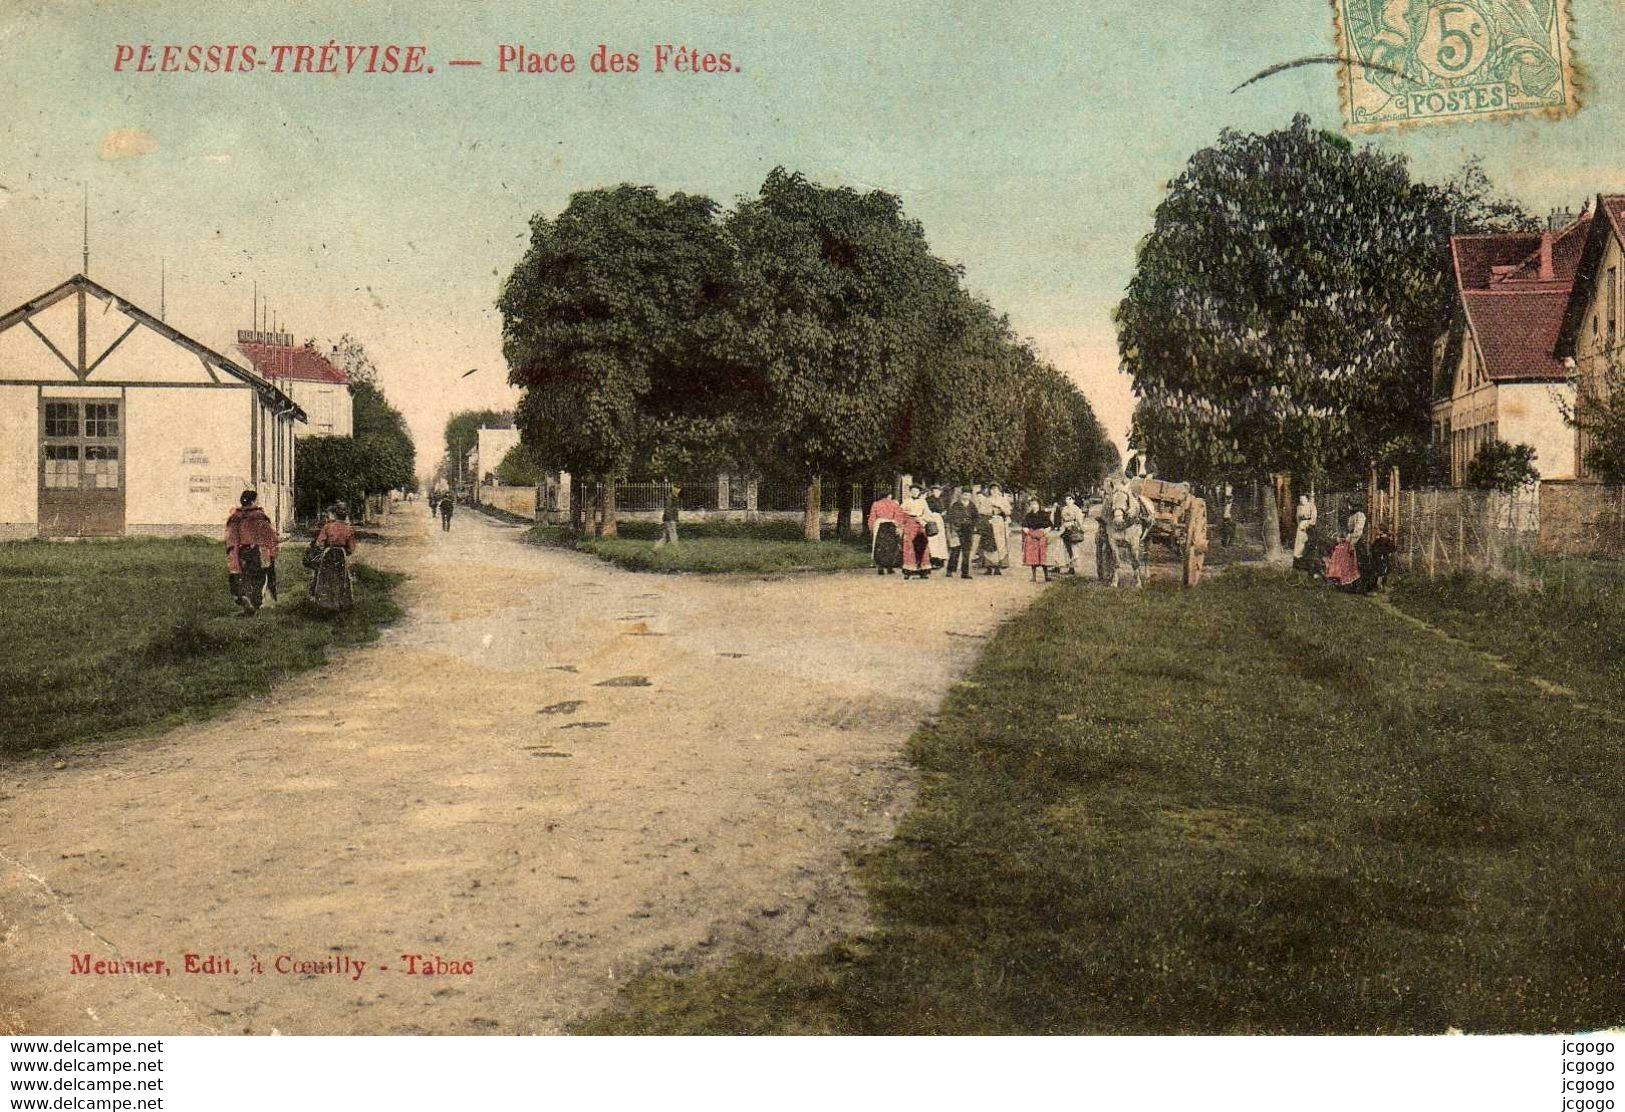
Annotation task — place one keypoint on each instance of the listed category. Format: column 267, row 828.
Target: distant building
column 491, row 446
column 114, row 423
column 1498, row 374
column 1590, row 331
column 322, row 390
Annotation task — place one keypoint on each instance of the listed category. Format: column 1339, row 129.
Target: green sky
column 1033, row 141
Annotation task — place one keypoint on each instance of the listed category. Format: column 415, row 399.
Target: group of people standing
column 1348, row 559
column 955, row 528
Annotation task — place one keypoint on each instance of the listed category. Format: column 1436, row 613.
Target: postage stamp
column 1422, row 61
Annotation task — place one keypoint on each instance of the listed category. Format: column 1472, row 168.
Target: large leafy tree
column 610, row 324
column 1063, row 447
column 351, row 357
column 385, row 440
column 839, row 304
column 968, row 405
column 1283, row 310
column 378, row 456
column 808, row 334
column 329, row 469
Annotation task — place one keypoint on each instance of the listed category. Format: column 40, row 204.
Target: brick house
column 1497, row 373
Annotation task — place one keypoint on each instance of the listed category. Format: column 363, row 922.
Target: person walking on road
column 445, row 514
column 251, row 547
column 668, row 518
column 331, row 581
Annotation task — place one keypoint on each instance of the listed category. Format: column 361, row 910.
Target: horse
column 1123, row 517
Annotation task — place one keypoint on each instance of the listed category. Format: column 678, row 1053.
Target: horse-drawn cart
column 1178, row 520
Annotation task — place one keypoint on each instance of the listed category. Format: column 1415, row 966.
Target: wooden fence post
column 1393, row 498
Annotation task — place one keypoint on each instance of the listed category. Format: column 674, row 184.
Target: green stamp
column 1421, row 61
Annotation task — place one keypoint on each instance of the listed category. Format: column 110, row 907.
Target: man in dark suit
column 961, row 519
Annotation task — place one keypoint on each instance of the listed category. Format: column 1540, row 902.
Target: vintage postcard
column 535, row 519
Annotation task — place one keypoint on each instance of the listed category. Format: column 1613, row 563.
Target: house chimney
column 1546, row 256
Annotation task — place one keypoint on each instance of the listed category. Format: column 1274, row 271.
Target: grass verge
column 708, row 548
column 106, row 639
column 1575, row 638
column 1257, row 807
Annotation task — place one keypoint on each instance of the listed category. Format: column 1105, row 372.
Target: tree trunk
column 843, row 509
column 606, row 507
column 866, row 498
column 810, row 523
column 1272, row 520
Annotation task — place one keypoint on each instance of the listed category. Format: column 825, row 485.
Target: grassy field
column 136, row 635
column 1257, row 807
column 712, row 548
column 1572, row 637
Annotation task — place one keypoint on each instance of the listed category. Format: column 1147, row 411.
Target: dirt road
column 559, row 772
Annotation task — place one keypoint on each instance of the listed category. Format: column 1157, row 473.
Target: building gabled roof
column 1609, row 222
column 211, row 358
column 1567, row 246
column 284, row 361
column 1474, row 256
column 1515, row 291
column 1516, row 331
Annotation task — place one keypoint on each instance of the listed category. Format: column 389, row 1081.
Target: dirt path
column 561, row 772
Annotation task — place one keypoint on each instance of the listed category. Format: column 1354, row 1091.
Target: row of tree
column 378, row 457
column 1284, row 308
column 808, row 333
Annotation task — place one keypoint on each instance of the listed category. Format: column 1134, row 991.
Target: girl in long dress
column 916, row 537
column 1001, row 514
column 1074, row 528
column 1056, row 554
column 1308, row 518
column 886, row 518
column 936, row 527
column 1035, row 525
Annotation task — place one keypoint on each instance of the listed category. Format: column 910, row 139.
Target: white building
column 113, row 423
column 319, row 388
column 490, row 447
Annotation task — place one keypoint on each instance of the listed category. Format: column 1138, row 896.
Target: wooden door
column 81, row 491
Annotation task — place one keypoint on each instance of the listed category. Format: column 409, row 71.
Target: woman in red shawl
column 251, row 546
column 1343, row 565
column 892, row 530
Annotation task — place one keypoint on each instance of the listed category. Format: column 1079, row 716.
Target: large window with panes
column 81, row 444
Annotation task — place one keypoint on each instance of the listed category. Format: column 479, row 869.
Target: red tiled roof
column 1567, row 246
column 1474, row 255
column 1516, row 330
column 1614, row 206
column 275, row 361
